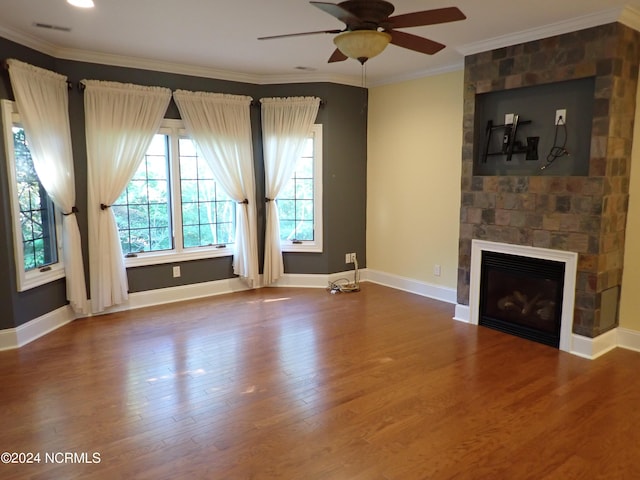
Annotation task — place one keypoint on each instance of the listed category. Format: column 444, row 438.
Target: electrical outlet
column 176, row 271
column 349, row 257
column 561, row 116
column 437, row 270
column 508, row 118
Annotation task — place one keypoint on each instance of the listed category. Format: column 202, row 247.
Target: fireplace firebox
column 522, row 296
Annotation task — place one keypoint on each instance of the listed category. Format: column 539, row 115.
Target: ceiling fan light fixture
column 362, row 44
column 81, row 3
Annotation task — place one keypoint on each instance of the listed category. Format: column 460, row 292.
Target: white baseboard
column 11, row 338
column 581, row 346
column 437, row 292
column 160, row 296
column 593, row 348
column 301, row 280
column 462, row 313
column 629, row 339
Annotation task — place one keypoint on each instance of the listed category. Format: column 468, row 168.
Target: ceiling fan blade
column 337, row 11
column 299, row 34
column 426, row 17
column 337, row 56
column 413, row 42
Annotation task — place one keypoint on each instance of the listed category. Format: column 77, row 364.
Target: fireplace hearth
column 522, row 296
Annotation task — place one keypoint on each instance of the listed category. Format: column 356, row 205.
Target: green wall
column 343, row 116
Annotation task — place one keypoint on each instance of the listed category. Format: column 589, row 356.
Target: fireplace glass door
column 522, row 296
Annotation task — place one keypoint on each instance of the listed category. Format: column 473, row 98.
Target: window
column 300, row 201
column 35, row 223
column 172, row 209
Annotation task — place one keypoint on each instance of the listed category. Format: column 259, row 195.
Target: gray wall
column 343, row 116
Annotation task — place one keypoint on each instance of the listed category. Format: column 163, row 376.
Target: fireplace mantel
column 570, row 259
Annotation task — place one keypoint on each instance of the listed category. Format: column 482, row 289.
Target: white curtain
column 120, row 120
column 286, row 124
column 42, row 99
column 220, row 125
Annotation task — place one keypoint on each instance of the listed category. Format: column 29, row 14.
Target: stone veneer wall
column 585, row 214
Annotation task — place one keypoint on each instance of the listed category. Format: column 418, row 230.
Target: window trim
column 175, row 129
column 25, row 280
column 315, row 245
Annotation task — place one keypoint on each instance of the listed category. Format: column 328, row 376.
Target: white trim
column 630, row 17
column 12, row 338
column 558, row 28
column 161, row 296
column 25, row 279
column 570, row 259
column 315, row 245
column 462, row 313
column 629, row 339
column 593, row 348
column 437, row 292
column 585, row 347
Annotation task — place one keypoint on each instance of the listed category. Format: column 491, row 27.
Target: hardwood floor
column 300, row 384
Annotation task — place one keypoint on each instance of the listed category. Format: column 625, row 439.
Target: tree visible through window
column 208, row 214
column 143, row 210
column 172, row 204
column 300, row 200
column 37, row 217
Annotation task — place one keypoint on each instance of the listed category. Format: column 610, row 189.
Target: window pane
column 287, row 230
column 189, row 190
column 286, row 209
column 308, row 148
column 208, row 215
column 207, row 234
column 142, row 211
column 296, row 200
column 37, row 217
column 288, row 191
column 304, row 230
column 304, row 167
column 191, row 236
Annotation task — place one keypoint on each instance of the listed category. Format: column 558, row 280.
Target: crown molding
column 168, row 67
column 28, row 41
column 452, row 67
column 578, row 23
column 630, row 17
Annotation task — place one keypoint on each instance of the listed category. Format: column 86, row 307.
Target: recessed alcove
column 502, row 143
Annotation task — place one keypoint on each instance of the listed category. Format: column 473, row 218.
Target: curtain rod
column 256, row 103
column 5, row 66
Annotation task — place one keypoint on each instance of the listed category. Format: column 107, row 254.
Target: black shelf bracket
column 509, row 143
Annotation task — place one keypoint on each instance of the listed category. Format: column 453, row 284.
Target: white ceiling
column 218, row 38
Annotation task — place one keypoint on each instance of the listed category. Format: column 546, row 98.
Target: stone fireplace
column 584, row 215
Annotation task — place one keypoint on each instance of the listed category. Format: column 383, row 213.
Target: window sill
column 301, row 248
column 36, row 278
column 157, row 258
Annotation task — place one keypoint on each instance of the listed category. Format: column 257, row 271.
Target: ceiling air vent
column 52, row 27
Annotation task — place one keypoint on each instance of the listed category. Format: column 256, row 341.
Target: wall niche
column 516, row 133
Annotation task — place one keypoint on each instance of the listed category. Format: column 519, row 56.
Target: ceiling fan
column 369, row 28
